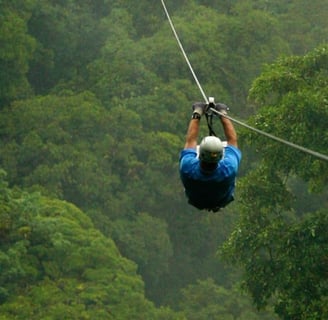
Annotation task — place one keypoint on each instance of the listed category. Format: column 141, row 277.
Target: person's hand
column 199, row 107
column 222, row 108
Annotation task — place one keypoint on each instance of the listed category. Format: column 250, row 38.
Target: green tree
column 206, row 300
column 16, row 50
column 304, row 24
column 292, row 94
column 145, row 241
column 49, row 142
column 119, row 71
column 69, row 35
column 281, row 251
column 54, row 263
column 225, row 50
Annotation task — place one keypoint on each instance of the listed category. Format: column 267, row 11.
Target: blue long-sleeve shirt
column 206, row 191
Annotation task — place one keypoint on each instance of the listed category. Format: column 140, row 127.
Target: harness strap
column 209, row 120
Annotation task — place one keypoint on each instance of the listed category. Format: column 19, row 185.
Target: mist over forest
column 95, row 100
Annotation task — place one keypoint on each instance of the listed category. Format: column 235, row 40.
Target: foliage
column 64, row 30
column 16, row 51
column 282, row 251
column 69, row 266
column 95, row 100
column 294, row 90
column 53, row 146
column 146, row 242
column 206, row 300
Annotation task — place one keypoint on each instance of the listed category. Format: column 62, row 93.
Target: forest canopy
column 95, row 99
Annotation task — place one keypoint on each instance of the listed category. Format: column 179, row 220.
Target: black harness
column 209, row 119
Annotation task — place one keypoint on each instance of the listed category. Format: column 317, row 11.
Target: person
column 209, row 177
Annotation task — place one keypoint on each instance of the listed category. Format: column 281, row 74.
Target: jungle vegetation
column 95, row 99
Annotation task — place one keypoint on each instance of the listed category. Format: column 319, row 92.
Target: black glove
column 199, row 107
column 222, row 108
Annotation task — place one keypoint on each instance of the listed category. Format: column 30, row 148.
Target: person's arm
column 193, row 128
column 229, row 131
column 228, row 128
column 192, row 134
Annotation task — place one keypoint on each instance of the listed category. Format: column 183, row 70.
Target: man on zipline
column 209, row 177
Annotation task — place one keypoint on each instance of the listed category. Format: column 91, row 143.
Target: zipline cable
column 290, row 144
column 293, row 145
column 184, row 53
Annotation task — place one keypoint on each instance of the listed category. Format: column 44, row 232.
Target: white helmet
column 210, row 149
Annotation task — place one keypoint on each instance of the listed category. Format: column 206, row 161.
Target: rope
column 290, row 144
